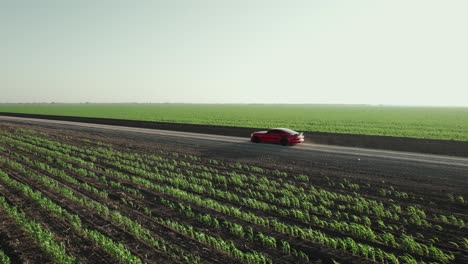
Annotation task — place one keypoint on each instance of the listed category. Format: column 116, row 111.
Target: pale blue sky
column 399, row 52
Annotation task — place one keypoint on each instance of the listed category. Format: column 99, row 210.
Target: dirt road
column 441, row 172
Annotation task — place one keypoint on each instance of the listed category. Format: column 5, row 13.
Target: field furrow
column 104, row 202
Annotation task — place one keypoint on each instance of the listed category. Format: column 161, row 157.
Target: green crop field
column 420, row 122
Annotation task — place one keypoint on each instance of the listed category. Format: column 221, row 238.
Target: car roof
column 287, row 130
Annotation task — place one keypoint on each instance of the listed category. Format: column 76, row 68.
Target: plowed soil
column 429, row 190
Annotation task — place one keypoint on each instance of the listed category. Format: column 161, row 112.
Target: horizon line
column 188, row 103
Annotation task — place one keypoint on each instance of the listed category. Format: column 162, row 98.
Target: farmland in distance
column 78, row 199
column 450, row 123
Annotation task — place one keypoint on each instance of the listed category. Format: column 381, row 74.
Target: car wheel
column 256, row 140
column 284, row 142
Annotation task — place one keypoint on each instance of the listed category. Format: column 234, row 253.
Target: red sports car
column 281, row 136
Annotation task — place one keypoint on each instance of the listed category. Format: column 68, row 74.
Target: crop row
column 4, row 259
column 297, row 211
column 131, row 225
column 45, row 238
column 302, row 200
column 209, row 240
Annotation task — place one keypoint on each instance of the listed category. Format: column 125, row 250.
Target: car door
column 273, row 136
column 276, row 138
column 267, row 136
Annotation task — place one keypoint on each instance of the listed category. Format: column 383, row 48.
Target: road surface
column 443, row 169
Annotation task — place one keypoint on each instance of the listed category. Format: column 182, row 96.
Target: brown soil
column 17, row 244
column 427, row 187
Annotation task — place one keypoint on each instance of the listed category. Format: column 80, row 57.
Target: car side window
column 274, row 131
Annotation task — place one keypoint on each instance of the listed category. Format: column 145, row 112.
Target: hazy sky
column 244, row 51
